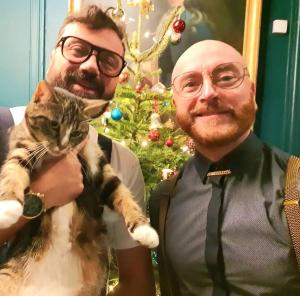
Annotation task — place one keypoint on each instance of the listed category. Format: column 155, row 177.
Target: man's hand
column 61, row 180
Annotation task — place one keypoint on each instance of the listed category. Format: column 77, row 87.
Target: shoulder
column 124, row 154
column 277, row 157
column 18, row 113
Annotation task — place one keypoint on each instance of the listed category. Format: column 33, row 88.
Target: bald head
column 204, row 54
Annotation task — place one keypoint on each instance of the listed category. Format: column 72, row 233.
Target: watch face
column 33, row 206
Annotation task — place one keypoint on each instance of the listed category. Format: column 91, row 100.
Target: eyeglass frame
column 245, row 73
column 98, row 49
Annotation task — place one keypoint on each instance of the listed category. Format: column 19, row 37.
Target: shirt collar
column 239, row 161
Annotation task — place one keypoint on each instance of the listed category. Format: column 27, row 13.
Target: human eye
column 77, row 49
column 109, row 61
column 225, row 78
column 190, row 84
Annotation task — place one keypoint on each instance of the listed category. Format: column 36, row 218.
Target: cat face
column 59, row 119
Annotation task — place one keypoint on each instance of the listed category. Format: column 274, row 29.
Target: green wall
column 278, row 78
column 28, row 30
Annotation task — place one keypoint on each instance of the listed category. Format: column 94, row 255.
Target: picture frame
column 251, row 35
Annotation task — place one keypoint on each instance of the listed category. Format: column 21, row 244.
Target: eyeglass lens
column 229, row 75
column 78, row 51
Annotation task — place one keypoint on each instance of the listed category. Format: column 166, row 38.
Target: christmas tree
column 141, row 116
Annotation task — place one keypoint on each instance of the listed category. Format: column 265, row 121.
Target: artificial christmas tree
column 147, row 124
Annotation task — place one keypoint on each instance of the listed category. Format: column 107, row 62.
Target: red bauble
column 169, row 142
column 138, row 88
column 179, row 26
column 154, row 135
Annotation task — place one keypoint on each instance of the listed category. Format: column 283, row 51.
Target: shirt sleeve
column 128, row 169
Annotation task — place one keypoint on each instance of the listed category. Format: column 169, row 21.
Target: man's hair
column 95, row 19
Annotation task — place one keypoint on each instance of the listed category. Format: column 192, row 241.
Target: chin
column 219, row 136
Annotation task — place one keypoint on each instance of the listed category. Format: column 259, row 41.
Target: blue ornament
column 116, row 114
column 165, row 103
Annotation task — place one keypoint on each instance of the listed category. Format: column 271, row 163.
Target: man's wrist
column 33, row 205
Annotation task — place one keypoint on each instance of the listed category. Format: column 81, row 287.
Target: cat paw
column 145, row 235
column 10, row 212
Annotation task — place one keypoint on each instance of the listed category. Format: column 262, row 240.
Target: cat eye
column 54, row 125
column 76, row 134
column 77, row 51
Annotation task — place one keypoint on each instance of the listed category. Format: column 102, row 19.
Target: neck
column 216, row 153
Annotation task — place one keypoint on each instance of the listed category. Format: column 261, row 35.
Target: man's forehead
column 105, row 38
column 205, row 56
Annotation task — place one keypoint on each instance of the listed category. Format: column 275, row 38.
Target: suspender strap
column 167, row 278
column 291, row 203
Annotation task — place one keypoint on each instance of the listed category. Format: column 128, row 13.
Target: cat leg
column 119, row 198
column 14, row 179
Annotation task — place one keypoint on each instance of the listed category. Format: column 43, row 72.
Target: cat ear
column 94, row 108
column 43, row 92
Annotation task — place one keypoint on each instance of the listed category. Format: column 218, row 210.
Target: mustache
column 208, row 108
column 72, row 77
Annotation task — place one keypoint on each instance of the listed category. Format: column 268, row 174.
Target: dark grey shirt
column 258, row 255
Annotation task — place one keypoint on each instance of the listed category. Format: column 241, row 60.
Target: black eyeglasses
column 226, row 76
column 77, row 51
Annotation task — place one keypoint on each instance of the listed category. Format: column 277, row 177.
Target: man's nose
column 208, row 90
column 91, row 64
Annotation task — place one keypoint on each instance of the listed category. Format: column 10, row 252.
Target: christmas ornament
column 175, row 38
column 170, row 124
column 118, row 13
column 138, row 88
column 155, row 121
column 166, row 174
column 169, row 142
column 158, row 88
column 179, row 26
column 190, row 144
column 154, row 135
column 124, row 77
column 116, row 114
column 144, row 143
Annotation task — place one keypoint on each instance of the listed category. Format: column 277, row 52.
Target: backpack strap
column 106, row 145
column 291, row 203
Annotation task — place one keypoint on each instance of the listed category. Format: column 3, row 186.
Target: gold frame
column 252, row 35
column 251, row 31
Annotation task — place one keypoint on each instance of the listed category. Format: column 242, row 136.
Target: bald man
column 223, row 230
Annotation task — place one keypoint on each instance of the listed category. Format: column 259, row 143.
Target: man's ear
column 43, row 92
column 94, row 108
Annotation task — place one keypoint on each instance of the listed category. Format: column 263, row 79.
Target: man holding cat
column 222, row 227
column 87, row 60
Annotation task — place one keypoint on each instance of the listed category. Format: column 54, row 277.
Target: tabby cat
column 62, row 252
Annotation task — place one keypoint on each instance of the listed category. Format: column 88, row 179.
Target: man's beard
column 213, row 134
column 75, row 77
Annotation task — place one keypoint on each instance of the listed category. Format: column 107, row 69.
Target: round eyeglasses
column 77, row 51
column 226, row 76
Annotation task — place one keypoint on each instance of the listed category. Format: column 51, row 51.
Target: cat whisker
column 37, row 153
column 39, row 156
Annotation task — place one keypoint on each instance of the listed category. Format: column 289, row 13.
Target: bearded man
column 223, row 230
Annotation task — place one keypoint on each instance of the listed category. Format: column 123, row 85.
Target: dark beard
column 73, row 77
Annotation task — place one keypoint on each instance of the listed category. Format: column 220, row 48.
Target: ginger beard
column 217, row 130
